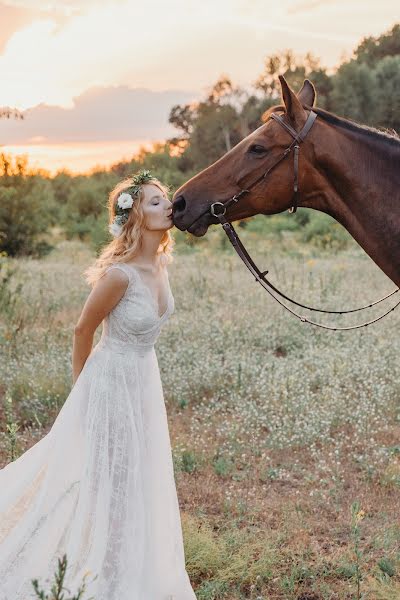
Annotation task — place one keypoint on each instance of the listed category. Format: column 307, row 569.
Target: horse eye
column 257, row 149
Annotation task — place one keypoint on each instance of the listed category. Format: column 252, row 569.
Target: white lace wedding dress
column 100, row 485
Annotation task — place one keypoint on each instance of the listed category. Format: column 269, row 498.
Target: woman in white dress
column 100, row 485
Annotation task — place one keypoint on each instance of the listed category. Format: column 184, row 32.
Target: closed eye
column 257, row 149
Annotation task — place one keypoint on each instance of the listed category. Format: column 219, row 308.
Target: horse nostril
column 179, row 205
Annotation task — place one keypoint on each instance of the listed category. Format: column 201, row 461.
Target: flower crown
column 125, row 201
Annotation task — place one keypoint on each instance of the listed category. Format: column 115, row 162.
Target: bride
column 100, row 485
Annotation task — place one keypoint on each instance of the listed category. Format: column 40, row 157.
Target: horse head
column 247, row 162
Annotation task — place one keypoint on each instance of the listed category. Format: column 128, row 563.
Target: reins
column 218, row 209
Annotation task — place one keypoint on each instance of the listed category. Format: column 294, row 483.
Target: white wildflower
column 125, row 200
column 115, row 229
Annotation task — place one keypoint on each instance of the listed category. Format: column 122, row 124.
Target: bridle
column 218, row 209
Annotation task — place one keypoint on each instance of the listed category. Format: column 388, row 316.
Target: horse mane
column 383, row 135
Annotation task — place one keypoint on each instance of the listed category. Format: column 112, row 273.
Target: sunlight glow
column 76, row 158
column 68, row 47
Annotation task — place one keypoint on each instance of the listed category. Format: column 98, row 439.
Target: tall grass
column 277, row 429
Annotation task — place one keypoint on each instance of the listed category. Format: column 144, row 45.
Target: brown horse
column 349, row 171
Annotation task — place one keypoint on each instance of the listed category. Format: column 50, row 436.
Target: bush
column 27, row 209
column 325, row 233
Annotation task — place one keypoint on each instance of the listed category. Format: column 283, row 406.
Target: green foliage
column 187, row 461
column 387, row 98
column 325, row 233
column 223, row 466
column 356, row 516
column 58, row 588
column 299, row 410
column 12, row 427
column 215, row 132
column 275, row 224
column 294, row 69
column 373, row 49
column 365, row 89
column 353, row 94
column 87, row 196
column 387, row 566
column 11, row 319
column 27, row 209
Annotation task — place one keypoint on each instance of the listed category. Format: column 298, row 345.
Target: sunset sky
column 96, row 78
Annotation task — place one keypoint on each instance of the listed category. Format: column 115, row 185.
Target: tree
column 367, row 87
column 353, row 94
column 215, row 132
column 213, row 126
column 7, row 112
column 294, row 69
column 183, row 117
column 373, row 49
column 27, row 209
column 387, row 98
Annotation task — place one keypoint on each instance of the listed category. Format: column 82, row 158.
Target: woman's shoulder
column 121, row 267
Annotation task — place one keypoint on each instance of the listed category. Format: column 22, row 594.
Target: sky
column 96, row 79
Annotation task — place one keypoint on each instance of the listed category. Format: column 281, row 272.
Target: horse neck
column 358, row 184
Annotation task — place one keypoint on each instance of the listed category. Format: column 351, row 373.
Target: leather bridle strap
column 298, row 137
column 272, row 290
column 218, row 209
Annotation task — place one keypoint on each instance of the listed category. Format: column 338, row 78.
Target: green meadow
column 285, row 437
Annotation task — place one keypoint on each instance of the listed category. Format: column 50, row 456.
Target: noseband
column 218, row 209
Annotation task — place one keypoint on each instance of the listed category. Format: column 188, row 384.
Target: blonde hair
column 127, row 245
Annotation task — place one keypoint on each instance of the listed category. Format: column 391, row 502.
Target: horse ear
column 294, row 109
column 307, row 93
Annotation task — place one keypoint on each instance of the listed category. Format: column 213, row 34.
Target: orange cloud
column 100, row 114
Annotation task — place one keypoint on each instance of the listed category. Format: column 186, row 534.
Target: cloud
column 12, row 19
column 18, row 14
column 60, row 7
column 73, row 45
column 309, row 5
column 100, row 114
column 107, row 44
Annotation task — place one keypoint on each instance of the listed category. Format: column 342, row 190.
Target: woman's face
column 157, row 208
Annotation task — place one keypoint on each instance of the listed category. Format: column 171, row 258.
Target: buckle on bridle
column 212, row 209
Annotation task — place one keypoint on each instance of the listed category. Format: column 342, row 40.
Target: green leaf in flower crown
column 143, row 176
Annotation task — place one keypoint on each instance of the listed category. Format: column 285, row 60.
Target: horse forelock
column 266, row 115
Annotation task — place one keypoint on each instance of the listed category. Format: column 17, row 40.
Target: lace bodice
column 134, row 323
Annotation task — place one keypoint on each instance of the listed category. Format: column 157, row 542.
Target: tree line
column 365, row 88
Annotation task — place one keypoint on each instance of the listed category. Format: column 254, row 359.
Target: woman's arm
column 106, row 293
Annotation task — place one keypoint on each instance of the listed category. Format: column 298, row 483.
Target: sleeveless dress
column 99, row 486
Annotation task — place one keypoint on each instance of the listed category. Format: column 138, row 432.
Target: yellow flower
column 360, row 515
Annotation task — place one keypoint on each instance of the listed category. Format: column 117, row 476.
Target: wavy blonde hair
column 127, row 245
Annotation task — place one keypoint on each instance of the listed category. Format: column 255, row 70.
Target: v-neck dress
column 100, row 485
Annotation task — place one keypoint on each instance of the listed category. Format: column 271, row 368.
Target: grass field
column 286, row 438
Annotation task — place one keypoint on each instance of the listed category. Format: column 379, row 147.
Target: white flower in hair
column 125, row 200
column 115, row 229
